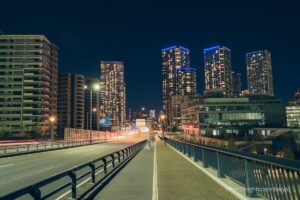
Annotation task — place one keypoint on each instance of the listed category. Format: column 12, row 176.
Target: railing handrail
column 48, row 142
column 55, row 177
column 53, row 145
column 280, row 162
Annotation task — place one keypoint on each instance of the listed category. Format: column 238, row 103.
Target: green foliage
column 289, row 154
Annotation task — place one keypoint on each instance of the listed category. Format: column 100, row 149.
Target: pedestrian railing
column 15, row 149
column 260, row 176
column 67, row 183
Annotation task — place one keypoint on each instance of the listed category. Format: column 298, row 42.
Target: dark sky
column 135, row 32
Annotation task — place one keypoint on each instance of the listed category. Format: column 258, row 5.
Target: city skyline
column 125, row 36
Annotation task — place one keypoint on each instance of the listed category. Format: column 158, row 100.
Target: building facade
column 217, row 116
column 217, row 64
column 173, row 59
column 178, row 103
column 186, row 81
column 70, row 102
column 236, row 84
column 113, row 99
column 259, row 73
column 28, row 85
column 293, row 111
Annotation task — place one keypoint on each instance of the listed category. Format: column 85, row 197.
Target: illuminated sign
column 104, row 121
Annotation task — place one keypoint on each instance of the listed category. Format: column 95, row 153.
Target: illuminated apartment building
column 28, row 85
column 259, row 73
column 113, row 99
column 173, row 59
column 236, row 84
column 217, row 63
column 186, row 81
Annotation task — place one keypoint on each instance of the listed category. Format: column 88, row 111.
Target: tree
column 288, row 154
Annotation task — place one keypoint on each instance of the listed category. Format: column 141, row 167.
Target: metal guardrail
column 14, row 149
column 71, row 178
column 261, row 176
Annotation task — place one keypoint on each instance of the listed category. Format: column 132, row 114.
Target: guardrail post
column 73, row 179
column 220, row 168
column 93, row 169
column 4, row 149
column 250, row 185
column 52, row 145
column 36, row 193
column 123, row 154
column 45, row 145
column 17, row 148
column 27, row 147
column 203, row 158
column 180, row 147
column 119, row 157
column 189, row 150
column 104, row 165
column 195, row 155
column 37, row 147
column 113, row 160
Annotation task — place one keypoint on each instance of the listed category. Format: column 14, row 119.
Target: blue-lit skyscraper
column 173, row 58
column 217, row 63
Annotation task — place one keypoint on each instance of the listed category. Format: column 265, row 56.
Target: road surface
column 20, row 171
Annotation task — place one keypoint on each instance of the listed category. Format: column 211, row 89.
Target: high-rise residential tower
column 70, row 102
column 217, row 63
column 173, row 59
column 186, row 81
column 28, row 85
column 113, row 99
column 236, row 84
column 259, row 73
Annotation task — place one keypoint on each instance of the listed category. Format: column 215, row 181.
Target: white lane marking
column 154, row 186
column 83, row 182
column 216, row 179
column 7, row 165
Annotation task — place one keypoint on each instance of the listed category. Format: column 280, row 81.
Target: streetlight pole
column 91, row 114
column 52, row 120
column 162, row 118
column 96, row 87
column 91, row 108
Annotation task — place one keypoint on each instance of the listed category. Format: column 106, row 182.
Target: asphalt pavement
column 20, row 171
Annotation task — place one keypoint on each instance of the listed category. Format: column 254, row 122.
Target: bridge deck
column 176, row 179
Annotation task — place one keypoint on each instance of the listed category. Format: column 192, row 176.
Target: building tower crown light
column 175, row 46
column 211, row 48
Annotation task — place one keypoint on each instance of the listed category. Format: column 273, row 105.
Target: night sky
column 135, row 32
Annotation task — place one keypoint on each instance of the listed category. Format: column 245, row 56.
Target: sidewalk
column 178, row 179
column 134, row 182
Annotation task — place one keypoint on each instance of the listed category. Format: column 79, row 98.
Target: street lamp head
column 96, row 86
column 85, row 87
column 52, row 119
column 94, row 109
column 162, row 116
